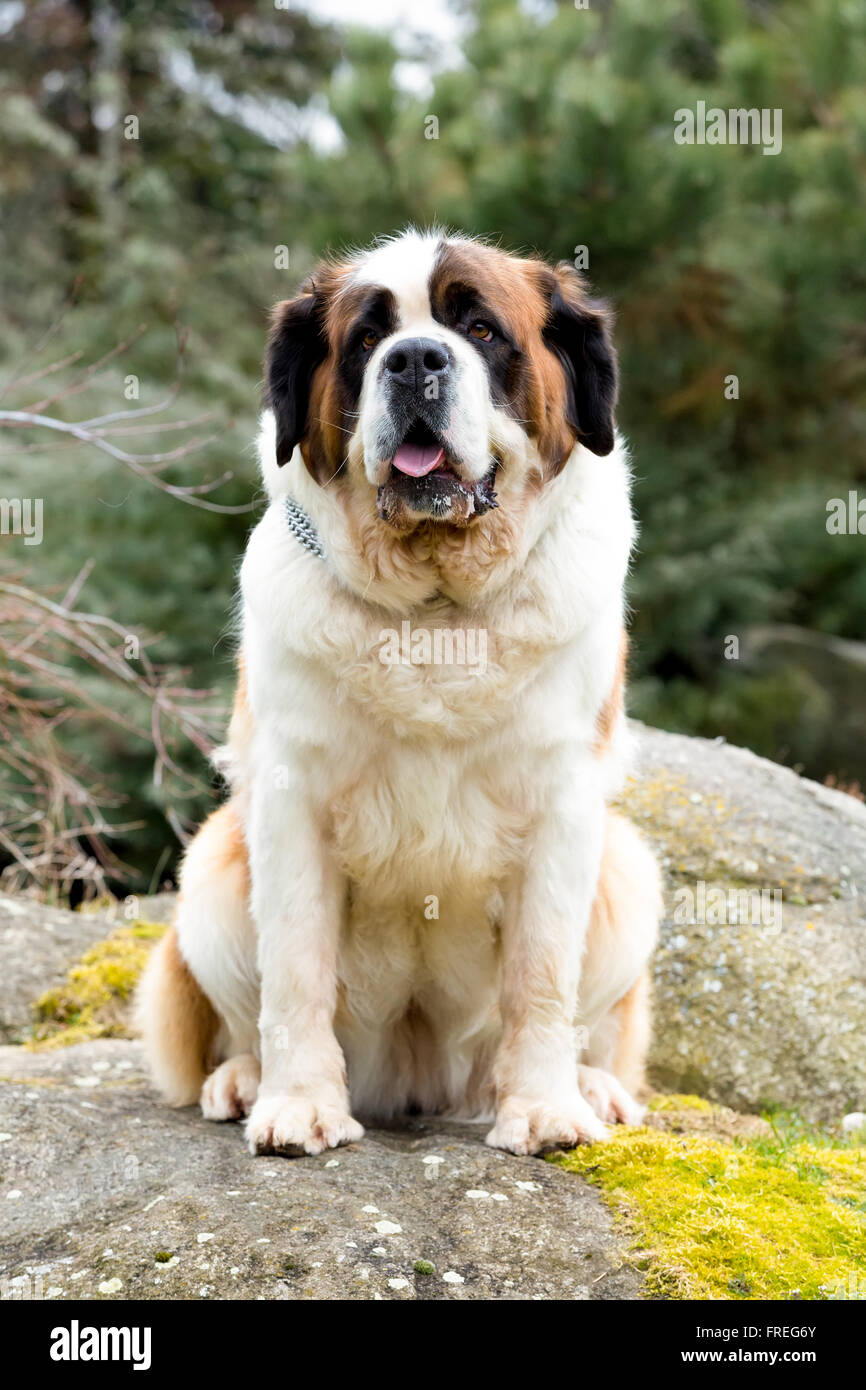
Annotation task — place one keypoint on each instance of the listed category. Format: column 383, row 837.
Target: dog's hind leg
column 230, row 1091
column 621, row 1042
column 198, row 1001
column 177, row 1022
column 611, row 1077
column 615, row 983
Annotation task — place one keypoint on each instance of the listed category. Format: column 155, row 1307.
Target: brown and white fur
column 416, row 896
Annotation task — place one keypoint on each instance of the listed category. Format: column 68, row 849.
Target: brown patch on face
column 324, row 448
column 496, row 280
column 472, row 281
column 302, row 385
column 337, row 381
column 551, row 364
column 476, row 281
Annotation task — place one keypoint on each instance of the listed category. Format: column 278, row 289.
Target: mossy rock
column 92, row 1001
column 715, row 1209
column 757, row 1003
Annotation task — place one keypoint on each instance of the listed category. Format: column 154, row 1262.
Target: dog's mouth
column 420, row 453
column 423, row 482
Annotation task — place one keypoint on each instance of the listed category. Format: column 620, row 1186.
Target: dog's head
column 437, row 372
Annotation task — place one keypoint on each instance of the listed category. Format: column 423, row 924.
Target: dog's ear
column 296, row 345
column 578, row 330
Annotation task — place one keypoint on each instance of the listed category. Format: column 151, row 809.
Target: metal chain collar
column 302, row 527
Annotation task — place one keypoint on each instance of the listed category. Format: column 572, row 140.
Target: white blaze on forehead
column 404, row 267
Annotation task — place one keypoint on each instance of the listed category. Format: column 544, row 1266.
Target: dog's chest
column 417, row 821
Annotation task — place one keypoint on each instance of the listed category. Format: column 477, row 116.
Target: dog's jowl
column 439, row 450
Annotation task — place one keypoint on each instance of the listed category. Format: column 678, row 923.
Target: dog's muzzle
column 424, row 480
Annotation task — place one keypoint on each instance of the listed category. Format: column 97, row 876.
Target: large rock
column 751, row 1014
column 106, row 1193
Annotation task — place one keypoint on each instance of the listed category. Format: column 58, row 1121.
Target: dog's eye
column 370, row 339
column 482, row 330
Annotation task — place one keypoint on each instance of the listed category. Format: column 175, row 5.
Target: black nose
column 411, row 361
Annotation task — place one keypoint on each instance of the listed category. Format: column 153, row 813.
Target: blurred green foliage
column 555, row 131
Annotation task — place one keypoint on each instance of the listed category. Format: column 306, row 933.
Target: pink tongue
column 418, row 459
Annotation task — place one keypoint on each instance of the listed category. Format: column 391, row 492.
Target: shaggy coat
column 416, row 895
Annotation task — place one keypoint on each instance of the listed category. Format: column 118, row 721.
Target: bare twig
column 98, row 429
column 57, row 660
column 143, row 465
column 16, row 379
column 50, row 804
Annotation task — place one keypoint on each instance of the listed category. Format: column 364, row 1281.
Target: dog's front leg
column 538, row 1103
column 297, row 898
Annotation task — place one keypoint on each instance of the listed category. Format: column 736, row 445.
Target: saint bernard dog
column 416, row 897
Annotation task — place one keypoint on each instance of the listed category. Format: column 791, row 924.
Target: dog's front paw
column 608, row 1097
column 527, row 1126
column 293, row 1125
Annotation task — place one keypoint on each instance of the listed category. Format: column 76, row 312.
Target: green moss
column 91, row 1001
column 662, row 1104
column 424, row 1267
column 760, row 1216
column 162, row 1257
